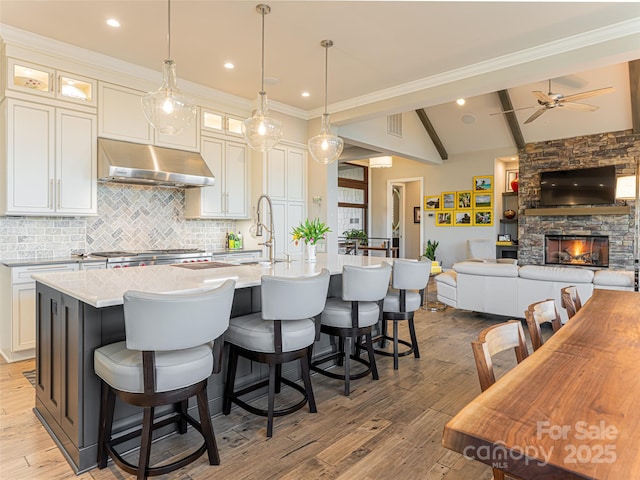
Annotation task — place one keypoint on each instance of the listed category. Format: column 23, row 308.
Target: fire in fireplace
column 584, row 250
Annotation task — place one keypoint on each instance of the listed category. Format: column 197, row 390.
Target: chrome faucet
column 271, row 241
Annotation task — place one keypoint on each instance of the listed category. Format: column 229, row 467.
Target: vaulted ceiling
column 389, row 57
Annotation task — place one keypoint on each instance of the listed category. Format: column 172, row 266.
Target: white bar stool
column 166, row 359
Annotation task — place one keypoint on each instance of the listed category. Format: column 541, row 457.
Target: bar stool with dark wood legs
column 282, row 332
column 353, row 316
column 408, row 282
column 166, row 359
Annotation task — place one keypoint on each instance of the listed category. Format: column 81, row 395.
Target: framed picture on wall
column 463, row 200
column 448, row 200
column 483, row 183
column 463, row 218
column 416, row 214
column 483, row 218
column 482, row 201
column 432, row 202
column 444, row 219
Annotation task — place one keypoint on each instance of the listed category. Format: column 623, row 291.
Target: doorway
column 404, row 215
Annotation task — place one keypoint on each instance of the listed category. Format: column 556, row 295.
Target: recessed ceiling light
column 229, row 66
column 305, row 94
column 112, row 22
column 460, row 101
column 468, row 119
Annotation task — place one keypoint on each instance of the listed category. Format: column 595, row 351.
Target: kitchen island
column 77, row 312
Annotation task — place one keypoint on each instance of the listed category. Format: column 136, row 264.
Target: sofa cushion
column 613, row 278
column 448, row 278
column 489, row 269
column 557, row 274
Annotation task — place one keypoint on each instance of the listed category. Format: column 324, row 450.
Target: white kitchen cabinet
column 286, row 174
column 227, row 198
column 18, row 311
column 50, row 160
column 121, row 118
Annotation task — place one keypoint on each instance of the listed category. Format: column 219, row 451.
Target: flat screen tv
column 585, row 186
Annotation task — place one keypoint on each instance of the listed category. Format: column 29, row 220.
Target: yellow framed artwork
column 483, row 201
column 448, row 201
column 432, row 202
column 462, row 218
column 444, row 219
column 483, row 218
column 483, row 183
column 463, row 200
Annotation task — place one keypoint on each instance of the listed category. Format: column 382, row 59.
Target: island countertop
column 105, row 288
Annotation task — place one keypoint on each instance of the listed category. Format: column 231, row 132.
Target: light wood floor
column 386, row 429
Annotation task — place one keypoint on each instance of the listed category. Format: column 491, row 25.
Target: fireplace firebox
column 583, row 250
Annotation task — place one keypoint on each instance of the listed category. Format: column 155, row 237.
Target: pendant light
column 325, row 148
column 168, row 110
column 262, row 133
column 381, row 162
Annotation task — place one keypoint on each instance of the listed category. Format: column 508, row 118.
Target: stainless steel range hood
column 125, row 162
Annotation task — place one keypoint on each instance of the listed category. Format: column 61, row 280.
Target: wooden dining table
column 571, row 410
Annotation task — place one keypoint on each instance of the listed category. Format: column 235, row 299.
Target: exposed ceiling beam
column 510, row 116
column 426, row 123
column 634, row 85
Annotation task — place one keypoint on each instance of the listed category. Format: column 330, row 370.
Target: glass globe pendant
column 325, row 148
column 167, row 109
column 261, row 132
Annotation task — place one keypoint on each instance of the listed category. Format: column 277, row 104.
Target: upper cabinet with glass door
column 217, row 122
column 48, row 82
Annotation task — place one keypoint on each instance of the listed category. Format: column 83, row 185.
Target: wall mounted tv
column 585, row 186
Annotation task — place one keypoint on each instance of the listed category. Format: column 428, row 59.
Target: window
column 353, row 192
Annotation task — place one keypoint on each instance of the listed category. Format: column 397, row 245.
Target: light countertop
column 104, row 288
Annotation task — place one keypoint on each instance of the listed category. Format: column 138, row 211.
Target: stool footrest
column 380, row 338
column 263, row 412
column 338, row 376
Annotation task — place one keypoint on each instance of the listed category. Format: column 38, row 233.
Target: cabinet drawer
column 23, row 274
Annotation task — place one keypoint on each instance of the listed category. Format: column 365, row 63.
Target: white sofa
column 507, row 289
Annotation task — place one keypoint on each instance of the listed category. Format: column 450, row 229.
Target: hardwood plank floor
column 391, row 428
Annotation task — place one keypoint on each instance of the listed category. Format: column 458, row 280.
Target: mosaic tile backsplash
column 129, row 218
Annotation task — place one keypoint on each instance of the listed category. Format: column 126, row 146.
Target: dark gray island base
column 68, row 390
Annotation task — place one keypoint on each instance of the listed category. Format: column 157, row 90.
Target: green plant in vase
column 355, row 234
column 430, row 250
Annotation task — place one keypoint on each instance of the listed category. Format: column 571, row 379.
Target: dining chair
column 570, row 299
column 539, row 313
column 352, row 316
column 408, row 282
column 493, row 340
column 166, row 358
column 283, row 331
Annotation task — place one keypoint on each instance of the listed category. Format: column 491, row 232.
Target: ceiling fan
column 552, row 100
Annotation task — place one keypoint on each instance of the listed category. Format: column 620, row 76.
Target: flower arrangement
column 310, row 232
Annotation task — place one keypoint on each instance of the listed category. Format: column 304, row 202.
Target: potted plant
column 310, row 232
column 355, row 234
column 430, row 250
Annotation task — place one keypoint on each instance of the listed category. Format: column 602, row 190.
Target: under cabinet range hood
column 126, row 162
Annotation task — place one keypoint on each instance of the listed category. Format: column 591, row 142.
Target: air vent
column 394, row 125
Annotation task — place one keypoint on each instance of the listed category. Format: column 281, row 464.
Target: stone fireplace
column 622, row 149
column 582, row 250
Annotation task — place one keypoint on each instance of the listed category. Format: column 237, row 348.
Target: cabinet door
column 212, row 197
column 121, row 115
column 188, row 139
column 23, row 332
column 295, row 216
column 30, row 158
column 76, row 163
column 296, row 163
column 236, row 166
column 277, row 173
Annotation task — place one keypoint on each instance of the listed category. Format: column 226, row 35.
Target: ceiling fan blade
column 513, row 110
column 542, row 97
column 590, row 93
column 535, row 115
column 580, row 107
